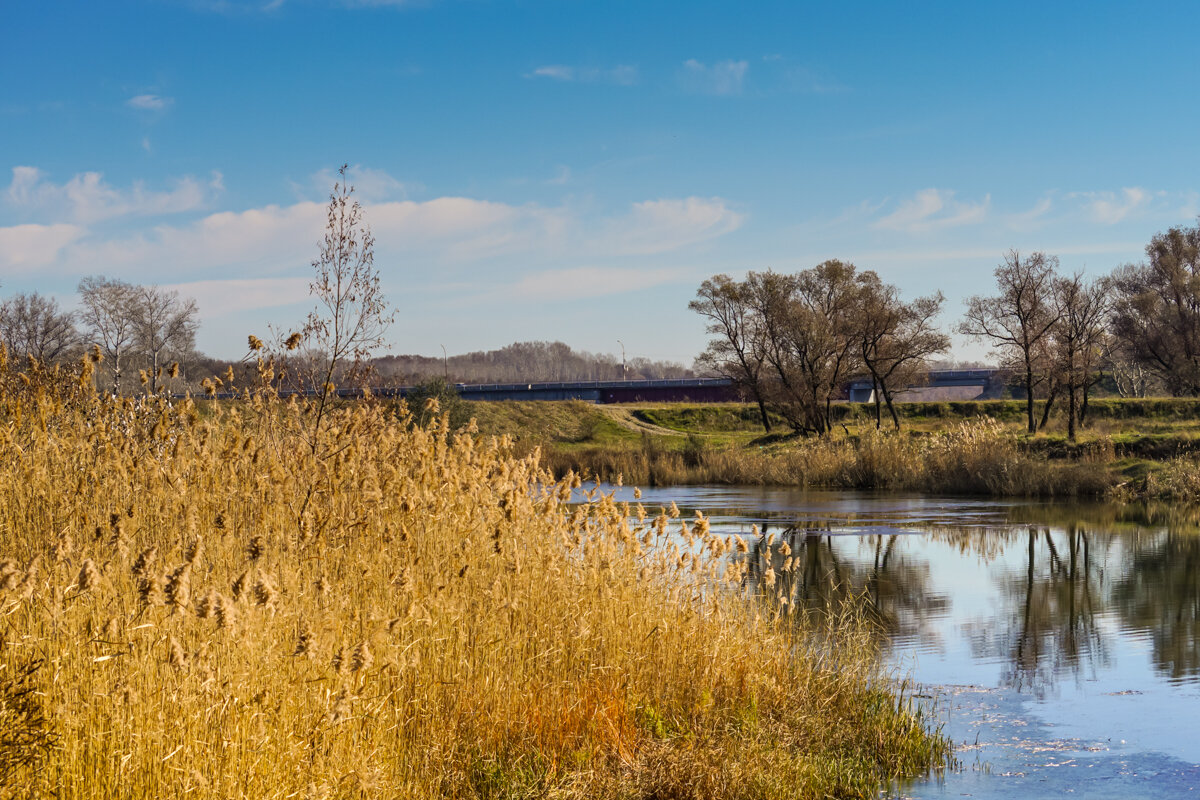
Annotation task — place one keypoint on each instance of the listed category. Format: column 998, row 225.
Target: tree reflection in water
column 1044, row 628
column 1047, row 627
column 892, row 589
column 1160, row 596
column 1056, row 578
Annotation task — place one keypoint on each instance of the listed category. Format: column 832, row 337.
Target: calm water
column 1062, row 643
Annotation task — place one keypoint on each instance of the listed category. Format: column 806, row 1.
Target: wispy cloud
column 1032, row 217
column 934, row 209
column 447, row 232
column 621, row 74
column 369, row 184
column 218, row 298
column 572, row 282
column 1109, row 208
column 27, row 247
column 87, row 198
column 722, row 78
column 658, row 226
column 149, row 102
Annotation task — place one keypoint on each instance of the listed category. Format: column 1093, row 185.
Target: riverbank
column 1132, row 448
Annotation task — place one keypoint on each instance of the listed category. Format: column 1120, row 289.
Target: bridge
column 696, row 390
column 989, row 381
column 678, row 390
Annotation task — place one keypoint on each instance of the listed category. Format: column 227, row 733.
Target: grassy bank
column 256, row 603
column 1131, row 447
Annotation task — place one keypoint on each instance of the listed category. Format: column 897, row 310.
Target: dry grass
column 975, row 457
column 202, row 606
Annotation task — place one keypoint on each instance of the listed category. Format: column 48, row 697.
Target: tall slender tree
column 896, row 339
column 107, row 311
column 737, row 350
column 164, row 326
column 1018, row 318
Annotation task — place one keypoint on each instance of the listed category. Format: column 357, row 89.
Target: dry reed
column 408, row 614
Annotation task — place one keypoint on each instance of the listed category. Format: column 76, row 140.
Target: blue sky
column 568, row 170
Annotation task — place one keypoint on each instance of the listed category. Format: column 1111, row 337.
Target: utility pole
column 445, row 365
column 622, row 358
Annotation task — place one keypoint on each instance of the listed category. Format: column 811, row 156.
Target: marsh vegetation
column 196, row 601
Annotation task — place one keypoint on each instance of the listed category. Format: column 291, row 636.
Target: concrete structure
column 989, row 382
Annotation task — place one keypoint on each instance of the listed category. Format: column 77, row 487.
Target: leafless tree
column 737, row 349
column 108, row 314
column 896, row 339
column 33, row 325
column 1156, row 314
column 1078, row 339
column 810, row 342
column 164, row 326
column 1019, row 318
column 351, row 315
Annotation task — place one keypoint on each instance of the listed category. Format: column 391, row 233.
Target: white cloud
column 25, row 247
column 446, row 232
column 722, row 78
column 562, row 176
column 574, row 282
column 934, row 209
column 556, row 72
column 657, row 226
column 1033, row 217
column 218, row 298
column 1109, row 208
column 149, row 102
column 369, row 184
column 86, row 198
column 621, row 74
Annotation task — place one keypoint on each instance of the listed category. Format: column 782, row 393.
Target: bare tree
column 896, row 339
column 351, row 315
column 1019, row 318
column 1078, row 339
column 33, row 325
column 164, row 326
column 108, row 314
column 1156, row 312
column 737, row 349
column 810, row 340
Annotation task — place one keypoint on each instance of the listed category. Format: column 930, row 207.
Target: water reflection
column 1040, row 591
column 1066, row 638
column 1160, row 595
column 1047, row 626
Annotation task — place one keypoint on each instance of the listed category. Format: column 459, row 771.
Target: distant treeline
column 791, row 342
column 524, row 362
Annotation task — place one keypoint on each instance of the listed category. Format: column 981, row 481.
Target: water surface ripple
column 1062, row 642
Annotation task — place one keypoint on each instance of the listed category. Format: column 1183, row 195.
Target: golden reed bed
column 265, row 602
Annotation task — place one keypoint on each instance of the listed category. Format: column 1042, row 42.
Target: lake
column 1060, row 642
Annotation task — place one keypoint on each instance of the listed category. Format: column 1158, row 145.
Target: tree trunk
column 1071, row 411
column 762, row 412
column 1083, row 407
column 1029, row 396
column 875, row 397
column 1049, row 404
column 887, row 397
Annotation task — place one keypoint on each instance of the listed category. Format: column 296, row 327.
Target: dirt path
column 625, row 418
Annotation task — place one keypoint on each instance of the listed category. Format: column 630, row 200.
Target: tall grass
column 976, row 457
column 199, row 606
